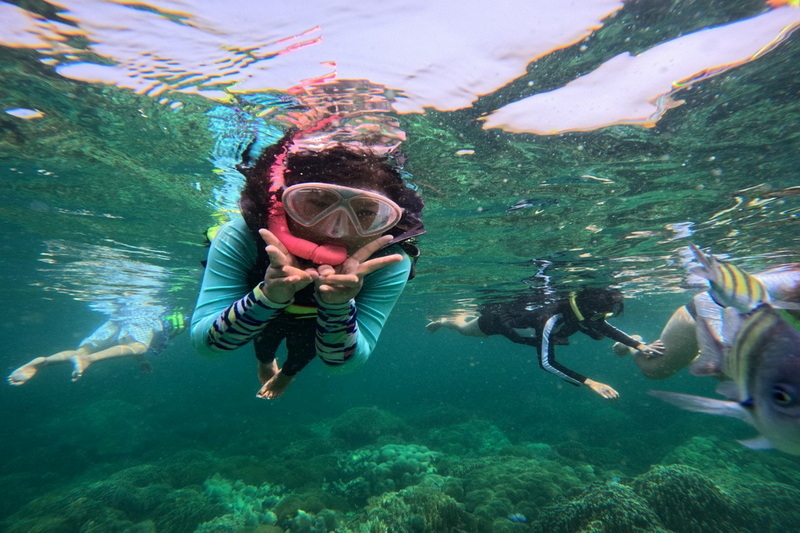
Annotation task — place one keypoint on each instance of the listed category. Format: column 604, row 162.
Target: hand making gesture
column 340, row 284
column 283, row 277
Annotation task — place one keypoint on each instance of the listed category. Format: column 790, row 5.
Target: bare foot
column 275, row 387
column 266, row 371
column 21, row 375
column 79, row 366
column 434, row 325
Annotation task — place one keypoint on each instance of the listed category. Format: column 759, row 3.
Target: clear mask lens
column 340, row 210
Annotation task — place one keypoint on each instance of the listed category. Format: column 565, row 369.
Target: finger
column 338, row 284
column 368, row 267
column 366, row 251
column 271, row 240
column 277, row 259
column 325, row 270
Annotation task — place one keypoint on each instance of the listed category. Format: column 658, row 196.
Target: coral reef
column 496, row 486
column 601, row 507
column 770, row 507
column 126, row 500
column 477, row 437
column 248, row 506
column 467, row 476
column 415, row 510
column 372, row 471
column 687, row 501
column 360, row 426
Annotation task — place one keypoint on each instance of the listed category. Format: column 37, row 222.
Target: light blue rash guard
column 229, row 313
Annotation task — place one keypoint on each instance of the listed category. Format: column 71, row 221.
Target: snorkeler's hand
column 338, row 285
column 655, row 349
column 283, row 277
column 602, row 389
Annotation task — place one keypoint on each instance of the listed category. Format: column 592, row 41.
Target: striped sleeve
column 241, row 321
column 228, row 309
column 547, row 358
column 337, row 333
column 348, row 333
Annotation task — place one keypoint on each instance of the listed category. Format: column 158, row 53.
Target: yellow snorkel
column 574, row 306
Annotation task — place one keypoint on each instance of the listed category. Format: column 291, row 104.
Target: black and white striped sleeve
column 547, row 359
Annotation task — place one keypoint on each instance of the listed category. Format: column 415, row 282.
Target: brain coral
column 601, row 507
column 686, row 500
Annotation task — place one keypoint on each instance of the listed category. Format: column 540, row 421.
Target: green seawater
column 437, row 432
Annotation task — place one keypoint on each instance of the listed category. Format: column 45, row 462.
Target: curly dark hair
column 591, row 301
column 340, row 165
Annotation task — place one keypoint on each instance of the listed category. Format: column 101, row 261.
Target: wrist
column 335, row 305
column 263, row 295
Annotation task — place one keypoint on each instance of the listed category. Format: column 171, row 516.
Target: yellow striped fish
column 760, row 373
column 729, row 285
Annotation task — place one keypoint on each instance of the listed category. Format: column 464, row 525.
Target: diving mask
column 336, row 210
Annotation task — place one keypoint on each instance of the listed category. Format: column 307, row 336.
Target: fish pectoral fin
column 758, row 443
column 710, row 406
column 729, row 389
column 783, row 304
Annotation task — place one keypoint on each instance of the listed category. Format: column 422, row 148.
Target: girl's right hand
column 283, row 277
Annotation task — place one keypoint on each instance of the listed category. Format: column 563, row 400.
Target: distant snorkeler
column 678, row 339
column 134, row 332
column 544, row 323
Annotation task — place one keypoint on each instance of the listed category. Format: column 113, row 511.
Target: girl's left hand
column 602, row 389
column 340, row 284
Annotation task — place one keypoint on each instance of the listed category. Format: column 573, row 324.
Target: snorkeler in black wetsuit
column 543, row 325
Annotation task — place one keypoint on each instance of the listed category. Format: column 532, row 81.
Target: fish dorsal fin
column 705, row 261
column 729, row 285
column 711, row 360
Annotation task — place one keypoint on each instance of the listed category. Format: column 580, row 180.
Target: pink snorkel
column 321, row 254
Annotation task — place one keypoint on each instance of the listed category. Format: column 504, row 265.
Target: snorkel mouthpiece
column 321, row 254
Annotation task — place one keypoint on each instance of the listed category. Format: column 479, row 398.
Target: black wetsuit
column 525, row 321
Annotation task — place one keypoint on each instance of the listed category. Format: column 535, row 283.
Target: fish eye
column 782, row 396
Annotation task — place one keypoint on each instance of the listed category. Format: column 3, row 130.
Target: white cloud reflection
column 439, row 54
